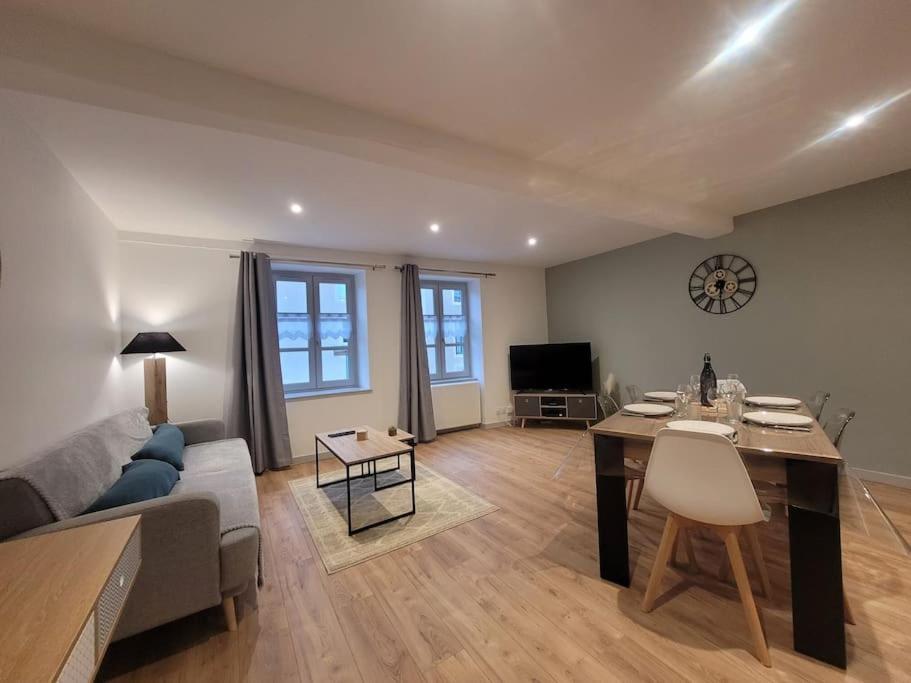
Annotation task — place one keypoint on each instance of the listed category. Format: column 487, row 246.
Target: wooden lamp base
column 156, row 387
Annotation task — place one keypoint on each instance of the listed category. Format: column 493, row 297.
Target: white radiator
column 456, row 405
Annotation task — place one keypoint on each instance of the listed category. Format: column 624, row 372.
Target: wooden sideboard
column 61, row 595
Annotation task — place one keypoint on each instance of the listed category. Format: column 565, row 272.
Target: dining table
column 806, row 462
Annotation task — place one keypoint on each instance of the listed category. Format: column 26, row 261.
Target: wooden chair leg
column 690, row 552
column 629, row 494
column 639, row 494
column 760, row 648
column 230, row 615
column 664, row 552
column 759, row 560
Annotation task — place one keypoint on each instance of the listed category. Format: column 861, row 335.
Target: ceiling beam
column 50, row 58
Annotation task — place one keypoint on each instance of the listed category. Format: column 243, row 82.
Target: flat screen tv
column 551, row 367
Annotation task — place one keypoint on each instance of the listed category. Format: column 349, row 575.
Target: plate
column 661, row 395
column 773, row 401
column 773, row 419
column 704, row 427
column 648, row 409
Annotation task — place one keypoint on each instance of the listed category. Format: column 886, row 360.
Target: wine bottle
column 707, row 380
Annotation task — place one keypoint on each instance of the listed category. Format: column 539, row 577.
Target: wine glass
column 711, row 397
column 682, row 404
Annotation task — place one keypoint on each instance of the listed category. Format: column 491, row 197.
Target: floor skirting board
column 882, row 477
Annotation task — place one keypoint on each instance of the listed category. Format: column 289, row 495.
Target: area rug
column 440, row 503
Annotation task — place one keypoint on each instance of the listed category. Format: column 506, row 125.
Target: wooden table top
column 48, row 588
column 378, row 444
column 755, row 440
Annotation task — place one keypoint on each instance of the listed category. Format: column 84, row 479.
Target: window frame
column 439, row 345
column 313, row 279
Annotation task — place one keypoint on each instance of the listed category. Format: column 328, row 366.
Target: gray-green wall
column 832, row 311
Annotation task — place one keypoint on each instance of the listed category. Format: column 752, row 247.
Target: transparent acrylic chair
column 635, row 393
column 817, row 402
column 835, row 425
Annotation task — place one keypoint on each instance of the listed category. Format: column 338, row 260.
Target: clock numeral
column 724, row 305
column 707, row 306
column 747, row 279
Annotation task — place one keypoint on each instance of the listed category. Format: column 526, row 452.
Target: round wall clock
column 723, row 284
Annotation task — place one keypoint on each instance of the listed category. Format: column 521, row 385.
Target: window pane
column 293, row 331
column 295, row 367
column 291, row 296
column 335, row 365
column 452, row 301
column 432, row 359
column 334, row 329
column 333, row 297
column 454, row 357
column 454, row 330
column 427, row 301
column 430, row 329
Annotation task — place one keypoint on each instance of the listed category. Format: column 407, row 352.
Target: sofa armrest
column 180, row 572
column 200, row 431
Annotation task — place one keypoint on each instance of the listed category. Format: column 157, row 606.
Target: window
column 445, row 308
column 316, row 330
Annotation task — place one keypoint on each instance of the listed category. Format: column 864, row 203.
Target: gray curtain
column 256, row 408
column 415, row 401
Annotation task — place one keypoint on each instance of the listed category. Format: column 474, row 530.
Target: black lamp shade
column 153, row 342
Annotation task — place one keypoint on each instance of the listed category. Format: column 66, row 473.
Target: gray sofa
column 200, row 544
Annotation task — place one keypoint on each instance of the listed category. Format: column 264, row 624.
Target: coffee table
column 352, row 453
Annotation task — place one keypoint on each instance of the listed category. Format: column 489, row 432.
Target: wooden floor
column 515, row 595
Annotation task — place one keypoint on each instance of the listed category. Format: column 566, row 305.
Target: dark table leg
column 610, row 488
column 817, row 591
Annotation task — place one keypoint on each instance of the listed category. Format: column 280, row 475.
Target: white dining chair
column 702, row 481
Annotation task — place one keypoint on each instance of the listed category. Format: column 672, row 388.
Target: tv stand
column 574, row 406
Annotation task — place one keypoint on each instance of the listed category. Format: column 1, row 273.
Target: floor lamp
column 156, row 381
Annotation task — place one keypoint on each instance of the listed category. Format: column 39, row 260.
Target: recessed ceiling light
column 296, row 208
column 748, row 36
column 857, row 120
column 434, row 227
column 532, row 241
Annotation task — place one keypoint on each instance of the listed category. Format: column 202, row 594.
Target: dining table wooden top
column 752, row 439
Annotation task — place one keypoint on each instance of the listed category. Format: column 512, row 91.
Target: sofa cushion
column 69, row 476
column 166, row 445
column 141, row 480
column 223, row 468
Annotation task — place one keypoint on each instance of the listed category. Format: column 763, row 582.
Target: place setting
column 791, row 422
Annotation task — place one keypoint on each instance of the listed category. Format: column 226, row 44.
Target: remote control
column 350, row 431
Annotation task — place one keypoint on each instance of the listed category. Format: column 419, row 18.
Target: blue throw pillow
column 142, row 480
column 166, row 445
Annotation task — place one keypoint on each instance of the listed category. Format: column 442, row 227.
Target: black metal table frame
column 371, row 471
column 814, row 532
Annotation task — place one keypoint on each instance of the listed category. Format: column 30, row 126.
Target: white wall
column 58, row 298
column 188, row 287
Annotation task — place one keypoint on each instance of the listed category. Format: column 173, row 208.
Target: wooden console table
column 61, row 595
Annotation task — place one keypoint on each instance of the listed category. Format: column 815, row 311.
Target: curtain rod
column 451, row 272
column 371, row 266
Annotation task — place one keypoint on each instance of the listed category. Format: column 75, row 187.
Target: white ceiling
column 605, row 91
